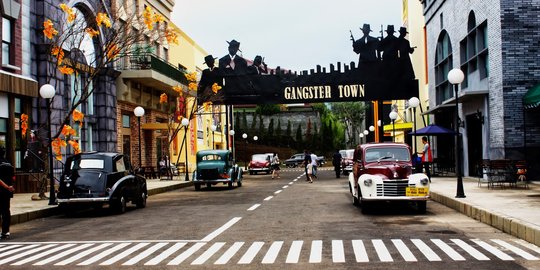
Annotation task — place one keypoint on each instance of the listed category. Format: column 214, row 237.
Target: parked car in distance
column 346, row 160
column 100, row 178
column 260, row 163
column 385, row 174
column 297, row 159
column 216, row 167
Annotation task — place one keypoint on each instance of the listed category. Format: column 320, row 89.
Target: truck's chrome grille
column 393, row 188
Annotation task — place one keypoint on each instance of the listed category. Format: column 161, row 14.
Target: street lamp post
column 47, row 91
column 393, row 116
column 213, row 128
column 244, row 136
column 455, row 77
column 185, row 123
column 139, row 112
column 231, row 132
column 413, row 103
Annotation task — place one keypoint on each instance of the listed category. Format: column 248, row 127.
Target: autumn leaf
column 67, row 130
column 158, row 18
column 192, row 77
column 147, row 17
column 171, row 36
column 59, row 53
column 216, row 88
column 112, row 51
column 48, row 29
column 75, row 145
column 77, row 116
column 91, row 32
column 66, row 70
column 24, row 117
column 163, row 98
column 102, row 18
column 57, row 145
column 69, row 12
column 192, row 86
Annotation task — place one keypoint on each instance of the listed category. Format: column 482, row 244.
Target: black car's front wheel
column 197, row 187
column 141, row 202
column 120, row 205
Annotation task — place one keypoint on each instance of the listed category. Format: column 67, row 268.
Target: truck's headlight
column 368, row 182
column 424, row 181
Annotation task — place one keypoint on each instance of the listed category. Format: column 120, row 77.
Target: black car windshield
column 260, row 157
column 387, row 154
column 88, row 164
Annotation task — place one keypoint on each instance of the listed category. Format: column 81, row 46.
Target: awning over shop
column 531, row 100
column 398, row 126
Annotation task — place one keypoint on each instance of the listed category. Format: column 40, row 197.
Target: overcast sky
column 293, row 34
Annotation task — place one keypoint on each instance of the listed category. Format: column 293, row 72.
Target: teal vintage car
column 214, row 167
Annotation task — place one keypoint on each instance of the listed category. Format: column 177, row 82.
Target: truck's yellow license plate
column 416, row 192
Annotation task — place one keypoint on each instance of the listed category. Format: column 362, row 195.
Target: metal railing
column 150, row 61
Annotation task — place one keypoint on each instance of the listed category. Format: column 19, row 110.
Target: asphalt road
column 283, row 223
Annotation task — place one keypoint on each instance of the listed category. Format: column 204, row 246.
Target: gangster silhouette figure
column 233, row 64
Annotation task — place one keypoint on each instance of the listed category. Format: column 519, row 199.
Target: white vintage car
column 385, row 174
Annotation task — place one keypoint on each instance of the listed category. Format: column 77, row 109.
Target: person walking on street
column 309, row 172
column 336, row 161
column 307, row 161
column 7, row 173
column 427, row 157
column 314, row 165
column 275, row 166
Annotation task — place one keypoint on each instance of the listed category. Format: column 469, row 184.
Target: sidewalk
column 23, row 208
column 511, row 210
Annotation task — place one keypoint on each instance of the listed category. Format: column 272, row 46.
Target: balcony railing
column 149, row 61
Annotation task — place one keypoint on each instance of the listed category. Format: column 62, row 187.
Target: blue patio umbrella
column 432, row 130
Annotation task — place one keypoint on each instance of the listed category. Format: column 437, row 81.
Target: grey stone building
column 98, row 131
column 496, row 44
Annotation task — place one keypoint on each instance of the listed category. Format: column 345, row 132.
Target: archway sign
column 384, row 72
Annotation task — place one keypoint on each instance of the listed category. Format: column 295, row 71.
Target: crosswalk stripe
column 448, row 250
column 8, row 247
column 427, row 251
column 124, row 254
column 278, row 191
column 251, row 253
column 404, row 250
column 145, row 254
column 104, row 254
column 294, row 252
column 165, row 254
column 493, row 250
column 272, row 253
column 42, row 254
column 469, row 249
column 26, row 253
column 315, row 255
column 63, row 254
column 207, row 254
column 9, row 252
column 338, row 253
column 136, row 252
column 360, row 252
column 83, row 254
column 382, row 251
column 284, row 187
column 516, row 250
column 268, row 198
column 253, row 207
column 224, row 259
column 182, row 257
column 528, row 245
column 290, row 183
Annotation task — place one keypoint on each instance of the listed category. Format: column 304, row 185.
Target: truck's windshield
column 377, row 154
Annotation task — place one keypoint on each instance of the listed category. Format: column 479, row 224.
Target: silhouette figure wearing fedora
column 233, row 64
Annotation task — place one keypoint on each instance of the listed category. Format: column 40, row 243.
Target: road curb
column 515, row 227
column 53, row 210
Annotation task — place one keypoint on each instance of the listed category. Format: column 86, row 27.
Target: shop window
column 125, row 120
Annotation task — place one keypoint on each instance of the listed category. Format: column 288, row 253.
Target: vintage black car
column 100, row 178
